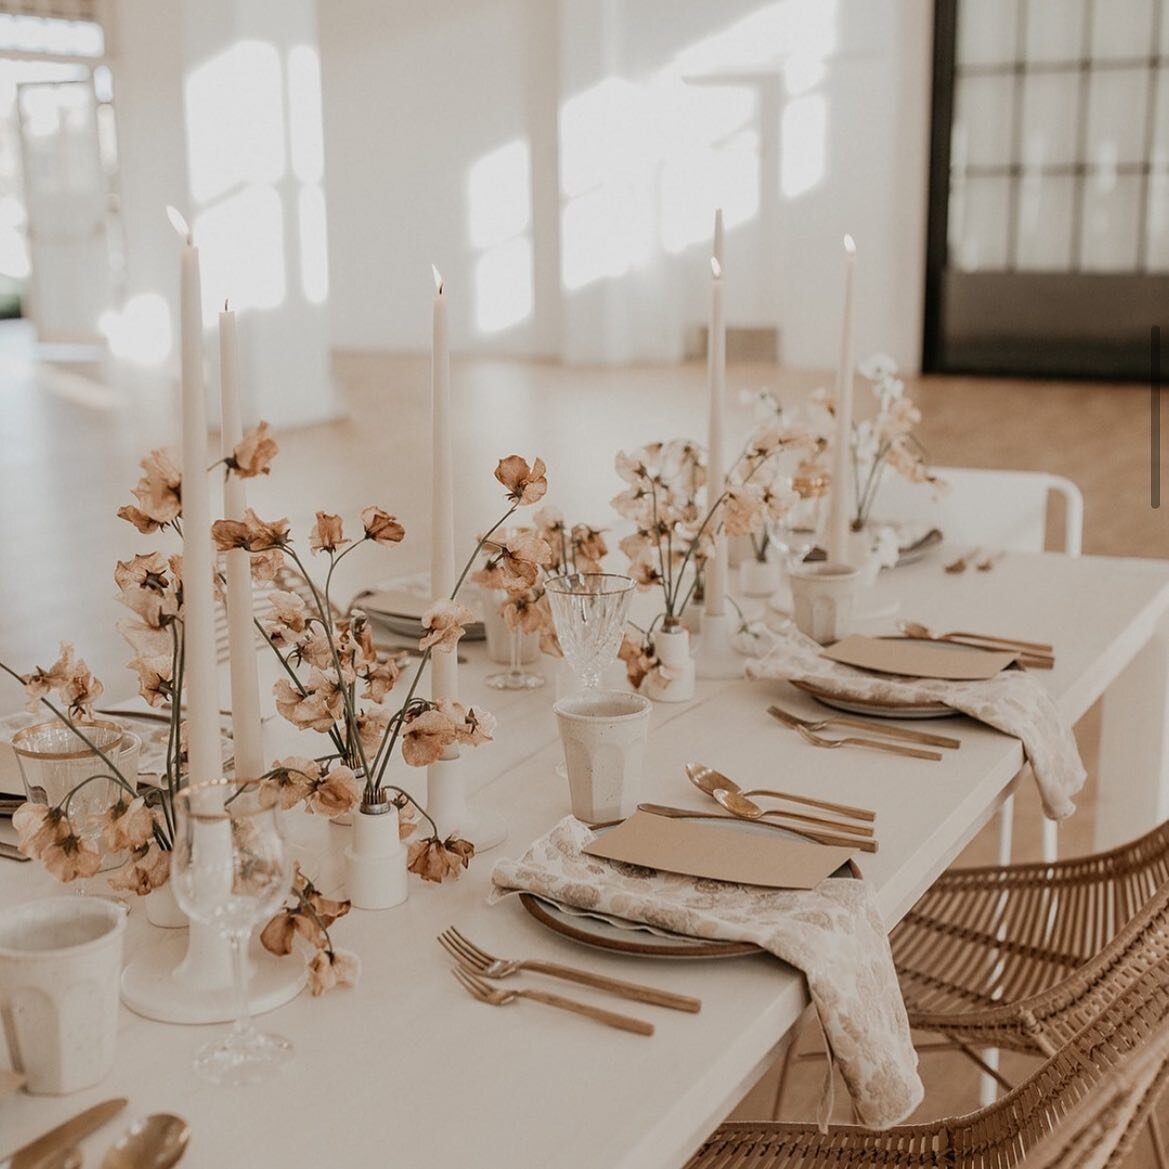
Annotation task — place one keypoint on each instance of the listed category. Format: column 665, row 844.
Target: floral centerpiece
column 335, row 681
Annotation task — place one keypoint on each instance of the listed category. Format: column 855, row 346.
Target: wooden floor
column 71, row 433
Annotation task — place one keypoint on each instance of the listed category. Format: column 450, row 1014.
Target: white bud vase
column 675, row 681
column 758, row 578
column 377, row 858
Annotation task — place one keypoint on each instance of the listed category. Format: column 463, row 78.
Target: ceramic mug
column 604, row 734
column 60, row 966
column 823, row 595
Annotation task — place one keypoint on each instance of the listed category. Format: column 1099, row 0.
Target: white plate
column 605, row 932
column 876, row 709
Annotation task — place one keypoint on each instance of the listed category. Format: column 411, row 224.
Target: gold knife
column 31, row 1155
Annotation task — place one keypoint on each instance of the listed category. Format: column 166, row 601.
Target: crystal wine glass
column 795, row 533
column 231, row 870
column 590, row 610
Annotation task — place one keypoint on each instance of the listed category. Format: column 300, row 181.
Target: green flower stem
column 64, row 804
column 337, row 742
column 353, row 738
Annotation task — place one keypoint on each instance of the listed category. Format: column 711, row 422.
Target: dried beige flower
column 426, row 735
column 326, row 535
column 127, row 824
column 381, row 527
column 250, row 533
column 446, row 622
column 254, row 453
column 435, row 860
column 147, row 869
column 330, row 968
column 524, row 484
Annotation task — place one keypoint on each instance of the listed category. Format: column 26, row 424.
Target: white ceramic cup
column 60, row 966
column 823, row 595
column 604, row 734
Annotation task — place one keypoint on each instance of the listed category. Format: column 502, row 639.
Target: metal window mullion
column 1150, row 122
column 1076, row 252
column 1016, row 135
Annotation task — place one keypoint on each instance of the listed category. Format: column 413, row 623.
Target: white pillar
column 252, row 123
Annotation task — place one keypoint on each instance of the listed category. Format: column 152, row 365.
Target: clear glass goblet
column 60, row 768
column 590, row 610
column 231, row 870
column 796, row 532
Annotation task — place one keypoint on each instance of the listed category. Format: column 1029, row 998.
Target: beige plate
column 871, row 708
column 634, row 938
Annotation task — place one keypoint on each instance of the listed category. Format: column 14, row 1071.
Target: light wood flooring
column 71, row 433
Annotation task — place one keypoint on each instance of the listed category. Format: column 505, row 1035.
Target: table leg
column 1133, row 791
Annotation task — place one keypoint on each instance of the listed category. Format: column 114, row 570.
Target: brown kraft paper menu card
column 919, row 659
column 705, row 849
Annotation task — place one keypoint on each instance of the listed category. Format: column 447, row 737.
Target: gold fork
column 478, row 961
column 871, row 744
column 500, row 998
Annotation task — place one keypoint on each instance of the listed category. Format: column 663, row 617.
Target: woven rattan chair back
column 1083, row 1106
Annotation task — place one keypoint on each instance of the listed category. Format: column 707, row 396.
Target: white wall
column 415, row 95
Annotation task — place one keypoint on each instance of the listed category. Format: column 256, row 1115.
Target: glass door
column 1048, row 248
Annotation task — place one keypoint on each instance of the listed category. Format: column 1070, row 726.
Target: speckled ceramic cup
column 604, row 734
column 60, row 965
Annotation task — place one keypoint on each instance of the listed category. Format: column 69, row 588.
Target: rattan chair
column 1020, row 957
column 1082, row 1109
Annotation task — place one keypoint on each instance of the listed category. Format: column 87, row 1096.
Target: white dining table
column 406, row 1069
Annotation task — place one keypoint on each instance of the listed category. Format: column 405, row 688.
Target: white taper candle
column 716, row 566
column 842, row 474
column 204, row 757
column 443, row 664
column 245, row 683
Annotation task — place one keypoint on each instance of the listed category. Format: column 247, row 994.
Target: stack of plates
column 398, row 607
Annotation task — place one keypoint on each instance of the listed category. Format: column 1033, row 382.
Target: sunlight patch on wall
column 235, row 120
column 314, row 250
column 805, row 144
column 499, row 195
column 306, row 135
column 503, row 286
column 141, row 332
column 241, row 245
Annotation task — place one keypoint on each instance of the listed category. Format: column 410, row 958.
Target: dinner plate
column 605, row 932
column 867, row 706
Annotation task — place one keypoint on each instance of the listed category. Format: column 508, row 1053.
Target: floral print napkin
column 1014, row 702
column 833, row 933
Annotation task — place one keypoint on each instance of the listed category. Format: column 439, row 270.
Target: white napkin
column 1014, row 701
column 833, row 933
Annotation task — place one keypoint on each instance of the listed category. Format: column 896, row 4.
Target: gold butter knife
column 33, row 1154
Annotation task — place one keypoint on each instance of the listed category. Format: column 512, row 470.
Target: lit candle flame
column 178, row 222
column 716, row 268
column 437, row 279
column 850, row 245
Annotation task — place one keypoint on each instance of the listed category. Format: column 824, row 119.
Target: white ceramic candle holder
column 716, row 656
column 447, row 805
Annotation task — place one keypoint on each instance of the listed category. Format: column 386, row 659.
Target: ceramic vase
column 499, row 635
column 376, row 858
column 674, row 682
column 758, row 578
column 861, row 555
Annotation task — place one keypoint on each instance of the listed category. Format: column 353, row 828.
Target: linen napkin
column 833, row 933
column 1014, row 702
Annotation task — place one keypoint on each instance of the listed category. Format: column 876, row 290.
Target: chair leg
column 1158, row 1142
column 789, row 1057
column 1050, row 841
column 988, row 1085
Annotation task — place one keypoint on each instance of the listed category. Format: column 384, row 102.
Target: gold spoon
column 156, row 1142
column 707, row 780
column 738, row 805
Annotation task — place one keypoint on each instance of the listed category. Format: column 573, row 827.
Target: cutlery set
column 476, row 966
column 1038, row 655
column 155, row 1142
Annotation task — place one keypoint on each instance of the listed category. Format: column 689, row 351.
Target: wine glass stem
column 514, row 668
column 239, row 979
